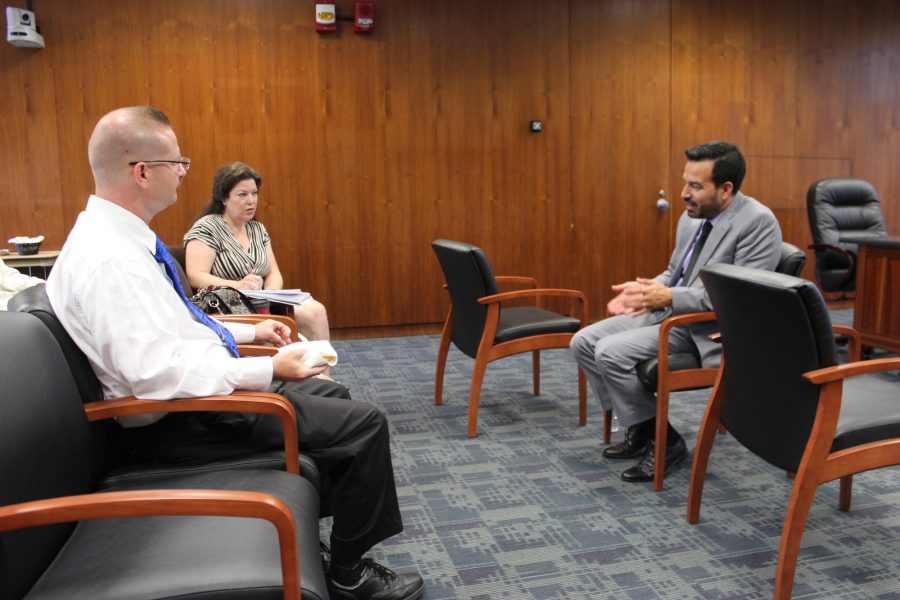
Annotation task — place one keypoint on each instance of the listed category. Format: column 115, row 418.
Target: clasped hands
column 639, row 297
column 251, row 281
column 285, row 365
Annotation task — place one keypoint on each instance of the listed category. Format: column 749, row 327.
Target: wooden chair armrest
column 854, row 342
column 666, row 326
column 862, row 367
column 238, row 401
column 256, row 318
column 539, row 293
column 529, row 281
column 211, row 503
column 533, row 293
column 256, row 350
column 678, row 320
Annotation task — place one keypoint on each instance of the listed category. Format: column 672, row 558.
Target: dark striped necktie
column 695, row 254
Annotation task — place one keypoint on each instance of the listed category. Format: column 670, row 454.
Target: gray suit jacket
column 746, row 234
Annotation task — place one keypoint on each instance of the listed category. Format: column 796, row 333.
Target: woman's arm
column 198, row 261
column 274, row 280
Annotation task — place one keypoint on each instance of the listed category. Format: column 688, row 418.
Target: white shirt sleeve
column 12, row 280
column 244, row 333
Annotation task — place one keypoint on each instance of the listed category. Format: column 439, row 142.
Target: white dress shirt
column 121, row 309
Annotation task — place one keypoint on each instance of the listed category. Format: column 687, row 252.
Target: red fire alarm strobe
column 326, row 17
column 364, row 16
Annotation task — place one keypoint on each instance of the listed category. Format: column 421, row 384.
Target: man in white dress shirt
column 116, row 301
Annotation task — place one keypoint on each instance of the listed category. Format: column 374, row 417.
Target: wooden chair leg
column 443, row 350
column 801, row 500
column 845, row 493
column 607, row 426
column 582, row 398
column 705, row 439
column 475, row 393
column 536, row 371
column 661, row 439
column 809, row 476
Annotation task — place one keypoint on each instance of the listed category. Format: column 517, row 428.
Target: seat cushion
column 272, row 459
column 870, row 411
column 524, row 321
column 648, row 370
column 201, row 558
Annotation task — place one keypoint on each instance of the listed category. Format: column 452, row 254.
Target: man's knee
column 581, row 344
column 371, row 418
column 609, row 354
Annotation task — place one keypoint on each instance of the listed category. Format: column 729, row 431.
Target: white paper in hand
column 318, row 352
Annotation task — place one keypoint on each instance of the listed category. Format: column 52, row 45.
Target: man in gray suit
column 719, row 225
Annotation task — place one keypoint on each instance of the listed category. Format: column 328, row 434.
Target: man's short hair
column 728, row 165
column 110, row 143
column 153, row 114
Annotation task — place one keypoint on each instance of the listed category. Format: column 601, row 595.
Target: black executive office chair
column 782, row 395
column 838, row 208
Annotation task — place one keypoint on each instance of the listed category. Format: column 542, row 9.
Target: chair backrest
column 792, row 260
column 469, row 277
column 774, row 328
column 45, row 445
column 840, row 207
column 34, row 300
column 177, row 253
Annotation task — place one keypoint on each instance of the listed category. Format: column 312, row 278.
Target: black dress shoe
column 635, row 443
column 643, row 470
column 377, row 582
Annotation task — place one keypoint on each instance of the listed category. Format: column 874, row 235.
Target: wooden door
column 620, row 123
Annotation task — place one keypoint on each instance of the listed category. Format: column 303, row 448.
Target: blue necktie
column 162, row 256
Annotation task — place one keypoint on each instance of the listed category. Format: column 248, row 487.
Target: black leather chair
column 481, row 329
column 782, row 395
column 838, row 208
column 173, row 537
column 177, row 253
column 667, row 373
column 108, row 464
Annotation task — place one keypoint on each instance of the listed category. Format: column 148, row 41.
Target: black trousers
column 349, row 441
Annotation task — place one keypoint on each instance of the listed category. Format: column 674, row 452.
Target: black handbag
column 223, row 300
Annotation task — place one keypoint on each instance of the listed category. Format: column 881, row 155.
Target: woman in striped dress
column 228, row 246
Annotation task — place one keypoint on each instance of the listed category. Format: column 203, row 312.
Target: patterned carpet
column 530, row 509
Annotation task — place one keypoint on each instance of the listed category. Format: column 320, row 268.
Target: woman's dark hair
column 224, row 181
column 729, row 163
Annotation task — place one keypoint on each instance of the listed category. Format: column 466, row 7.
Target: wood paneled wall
column 807, row 90
column 372, row 146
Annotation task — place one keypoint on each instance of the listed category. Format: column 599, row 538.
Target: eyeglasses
column 182, row 160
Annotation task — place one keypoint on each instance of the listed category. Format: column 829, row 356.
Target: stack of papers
column 296, row 297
